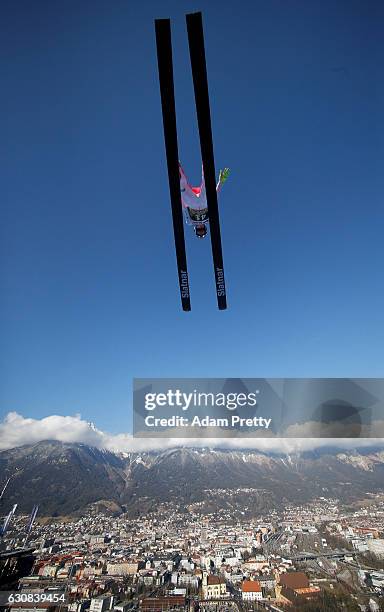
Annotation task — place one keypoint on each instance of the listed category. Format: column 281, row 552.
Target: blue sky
column 89, row 294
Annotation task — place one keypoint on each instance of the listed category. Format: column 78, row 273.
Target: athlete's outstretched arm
column 223, row 175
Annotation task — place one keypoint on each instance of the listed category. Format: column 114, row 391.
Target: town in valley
column 322, row 555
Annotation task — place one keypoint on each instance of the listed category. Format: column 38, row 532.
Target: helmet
column 200, row 230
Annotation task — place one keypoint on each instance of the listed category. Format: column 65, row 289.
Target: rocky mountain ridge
column 65, row 478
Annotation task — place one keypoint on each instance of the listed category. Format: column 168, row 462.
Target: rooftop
column 251, row 586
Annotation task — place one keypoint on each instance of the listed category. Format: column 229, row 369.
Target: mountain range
column 65, row 478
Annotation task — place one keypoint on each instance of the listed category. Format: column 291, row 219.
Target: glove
column 223, row 175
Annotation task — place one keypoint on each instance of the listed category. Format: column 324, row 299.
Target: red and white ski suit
column 194, row 199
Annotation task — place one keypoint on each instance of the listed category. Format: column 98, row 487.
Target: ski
column 200, row 84
column 167, row 94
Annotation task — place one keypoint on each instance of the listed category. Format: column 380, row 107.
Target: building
column 294, row 580
column 159, row 604
column 100, row 604
column 376, row 547
column 377, row 579
column 267, row 582
column 251, row 590
column 255, row 563
column 189, row 579
column 292, row 597
column 123, row 568
column 294, row 587
column 213, row 587
column 79, row 606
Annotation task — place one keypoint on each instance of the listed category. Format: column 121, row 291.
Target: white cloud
column 16, row 430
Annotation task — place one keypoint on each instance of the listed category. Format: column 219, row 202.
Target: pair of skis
column 200, row 83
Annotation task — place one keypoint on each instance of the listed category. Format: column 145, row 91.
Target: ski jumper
column 194, row 200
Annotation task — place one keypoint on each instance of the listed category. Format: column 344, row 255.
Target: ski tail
column 167, row 94
column 200, row 84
